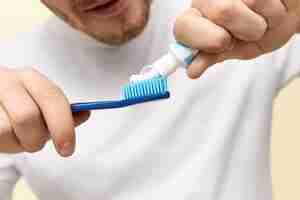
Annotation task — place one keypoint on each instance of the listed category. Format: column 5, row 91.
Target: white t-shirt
column 210, row 141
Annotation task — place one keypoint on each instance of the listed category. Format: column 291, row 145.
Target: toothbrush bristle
column 157, row 86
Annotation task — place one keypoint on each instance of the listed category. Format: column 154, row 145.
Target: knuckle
column 52, row 94
column 26, row 115
column 181, row 24
column 29, row 71
column 9, row 80
column 250, row 3
column 5, row 125
column 34, row 144
column 258, row 35
column 26, row 73
column 5, row 129
column 34, row 147
column 223, row 12
column 221, row 42
column 47, row 90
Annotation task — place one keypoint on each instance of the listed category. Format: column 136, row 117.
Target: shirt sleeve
column 290, row 68
column 8, row 176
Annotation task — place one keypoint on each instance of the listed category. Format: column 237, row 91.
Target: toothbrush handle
column 98, row 105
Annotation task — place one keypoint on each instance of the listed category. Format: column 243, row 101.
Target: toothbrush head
column 147, row 90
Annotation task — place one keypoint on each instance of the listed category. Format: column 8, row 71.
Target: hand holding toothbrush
column 235, row 29
column 34, row 110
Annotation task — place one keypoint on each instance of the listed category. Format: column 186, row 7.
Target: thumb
column 81, row 117
column 201, row 63
column 241, row 50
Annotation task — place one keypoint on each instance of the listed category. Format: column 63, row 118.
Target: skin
column 242, row 29
column 236, row 29
column 33, row 110
column 114, row 30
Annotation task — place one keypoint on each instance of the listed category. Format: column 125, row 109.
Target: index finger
column 55, row 109
column 235, row 16
column 9, row 142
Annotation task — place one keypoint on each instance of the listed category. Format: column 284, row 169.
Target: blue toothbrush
column 149, row 86
column 133, row 93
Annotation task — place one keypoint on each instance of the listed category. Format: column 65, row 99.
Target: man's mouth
column 103, row 8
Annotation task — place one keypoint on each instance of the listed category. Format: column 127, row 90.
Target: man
column 209, row 141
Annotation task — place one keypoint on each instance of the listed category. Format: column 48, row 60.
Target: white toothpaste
column 178, row 56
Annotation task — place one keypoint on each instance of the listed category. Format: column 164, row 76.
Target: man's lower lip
column 114, row 9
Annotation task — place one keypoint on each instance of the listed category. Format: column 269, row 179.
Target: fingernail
column 66, row 149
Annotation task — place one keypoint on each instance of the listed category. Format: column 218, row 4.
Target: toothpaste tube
column 179, row 55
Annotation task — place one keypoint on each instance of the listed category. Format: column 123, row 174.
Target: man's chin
column 117, row 39
column 121, row 30
column 112, row 42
